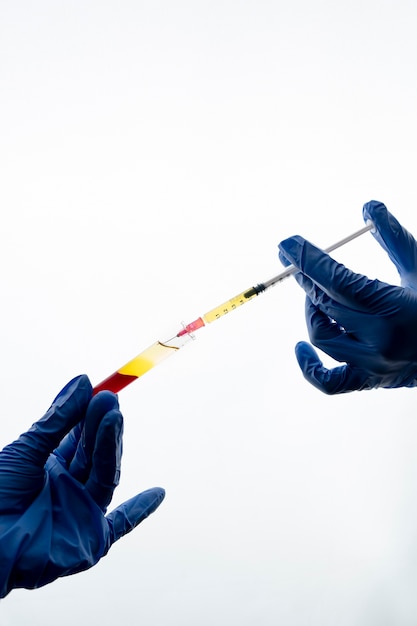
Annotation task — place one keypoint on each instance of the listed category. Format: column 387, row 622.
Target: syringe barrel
column 230, row 305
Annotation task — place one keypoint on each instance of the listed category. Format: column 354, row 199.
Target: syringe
column 160, row 350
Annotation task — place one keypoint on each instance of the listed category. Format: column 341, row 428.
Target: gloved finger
column 397, row 242
column 352, row 290
column 80, row 454
column 286, row 262
column 128, row 515
column 304, row 281
column 106, row 459
column 32, row 449
column 68, row 446
column 326, row 334
column 341, row 379
column 316, row 297
column 333, row 339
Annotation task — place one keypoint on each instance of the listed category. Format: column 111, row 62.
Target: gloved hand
column 368, row 325
column 56, row 482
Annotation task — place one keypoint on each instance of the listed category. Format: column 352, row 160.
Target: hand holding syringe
column 160, row 350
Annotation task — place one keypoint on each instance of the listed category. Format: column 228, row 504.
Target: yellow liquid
column 226, row 307
column 147, row 359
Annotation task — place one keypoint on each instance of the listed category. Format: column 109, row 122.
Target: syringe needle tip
column 189, row 328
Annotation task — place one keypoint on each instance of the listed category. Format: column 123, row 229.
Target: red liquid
column 114, row 383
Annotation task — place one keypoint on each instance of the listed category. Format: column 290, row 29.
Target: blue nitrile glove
column 56, row 482
column 368, row 325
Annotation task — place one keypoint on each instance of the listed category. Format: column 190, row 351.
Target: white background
column 153, row 155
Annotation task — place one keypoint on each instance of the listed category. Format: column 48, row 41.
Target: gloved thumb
column 312, row 367
column 341, row 379
column 131, row 513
